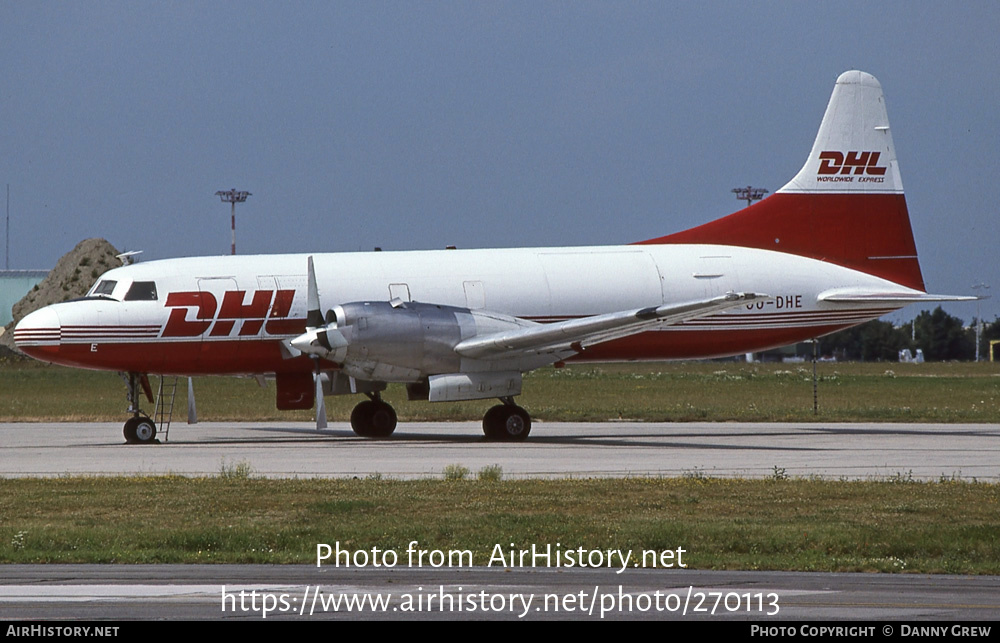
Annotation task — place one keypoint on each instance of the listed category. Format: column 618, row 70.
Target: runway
column 294, row 592
column 421, row 450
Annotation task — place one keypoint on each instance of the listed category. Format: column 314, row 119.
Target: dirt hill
column 72, row 277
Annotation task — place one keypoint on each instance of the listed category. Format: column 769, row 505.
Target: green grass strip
column 655, row 392
column 894, row 525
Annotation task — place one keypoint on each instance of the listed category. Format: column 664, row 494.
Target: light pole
column 979, row 315
column 233, row 196
column 749, row 194
column 7, row 255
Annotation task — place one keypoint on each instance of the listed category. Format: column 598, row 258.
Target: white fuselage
column 194, row 327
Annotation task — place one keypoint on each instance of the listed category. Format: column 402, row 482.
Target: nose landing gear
column 138, row 429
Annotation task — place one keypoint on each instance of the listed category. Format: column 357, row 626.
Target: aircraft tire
column 371, row 419
column 129, row 431
column 517, row 424
column 507, row 423
column 493, row 423
column 361, row 418
column 140, row 430
column 383, row 420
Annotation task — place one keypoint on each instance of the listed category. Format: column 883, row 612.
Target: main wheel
column 516, row 424
column 383, row 420
column 507, row 422
column 371, row 419
column 361, row 418
column 493, row 422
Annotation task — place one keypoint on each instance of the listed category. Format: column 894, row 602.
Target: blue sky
column 411, row 125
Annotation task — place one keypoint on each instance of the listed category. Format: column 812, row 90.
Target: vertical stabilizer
column 846, row 204
column 853, row 151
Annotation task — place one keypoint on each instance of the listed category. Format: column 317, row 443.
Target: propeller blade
column 192, row 411
column 318, row 341
column 314, row 317
column 320, row 403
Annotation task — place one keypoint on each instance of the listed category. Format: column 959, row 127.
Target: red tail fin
column 846, row 204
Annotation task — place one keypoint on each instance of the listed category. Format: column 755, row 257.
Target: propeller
column 320, row 341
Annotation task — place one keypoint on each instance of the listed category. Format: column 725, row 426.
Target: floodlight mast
column 749, row 194
column 233, row 196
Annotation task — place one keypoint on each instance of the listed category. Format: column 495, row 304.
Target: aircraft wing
column 901, row 297
column 573, row 335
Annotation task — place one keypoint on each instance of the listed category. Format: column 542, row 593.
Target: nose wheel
column 140, row 430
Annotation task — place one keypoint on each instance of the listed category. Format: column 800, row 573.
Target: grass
column 893, row 525
column 490, row 473
column 712, row 391
column 454, row 472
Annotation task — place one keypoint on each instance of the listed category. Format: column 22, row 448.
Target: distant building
column 793, row 353
column 15, row 284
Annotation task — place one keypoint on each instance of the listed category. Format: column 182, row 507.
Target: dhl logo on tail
column 860, row 162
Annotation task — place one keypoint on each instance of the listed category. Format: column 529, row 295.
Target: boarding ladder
column 164, row 409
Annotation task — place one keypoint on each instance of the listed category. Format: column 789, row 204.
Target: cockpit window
column 105, row 287
column 141, row 291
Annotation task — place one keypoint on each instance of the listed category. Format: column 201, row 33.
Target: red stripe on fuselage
column 231, row 357
column 179, row 357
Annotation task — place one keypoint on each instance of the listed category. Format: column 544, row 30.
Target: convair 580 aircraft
column 831, row 249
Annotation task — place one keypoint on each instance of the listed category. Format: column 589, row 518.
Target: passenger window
column 105, row 287
column 141, row 291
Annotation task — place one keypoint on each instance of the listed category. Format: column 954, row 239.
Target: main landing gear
column 373, row 418
column 506, row 422
column 138, row 429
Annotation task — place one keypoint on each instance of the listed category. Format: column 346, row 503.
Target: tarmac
column 608, row 449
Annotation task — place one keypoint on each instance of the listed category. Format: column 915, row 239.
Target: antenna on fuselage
column 127, row 257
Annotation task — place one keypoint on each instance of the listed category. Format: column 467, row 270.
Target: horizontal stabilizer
column 863, row 296
column 573, row 335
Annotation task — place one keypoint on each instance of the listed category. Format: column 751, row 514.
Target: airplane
column 831, row 249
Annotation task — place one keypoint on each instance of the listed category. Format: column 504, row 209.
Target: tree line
column 941, row 336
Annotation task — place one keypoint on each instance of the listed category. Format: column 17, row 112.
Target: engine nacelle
column 407, row 342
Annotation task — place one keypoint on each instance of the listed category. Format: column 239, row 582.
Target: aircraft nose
column 39, row 333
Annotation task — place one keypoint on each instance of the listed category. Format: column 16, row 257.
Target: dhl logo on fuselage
column 863, row 164
column 267, row 309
